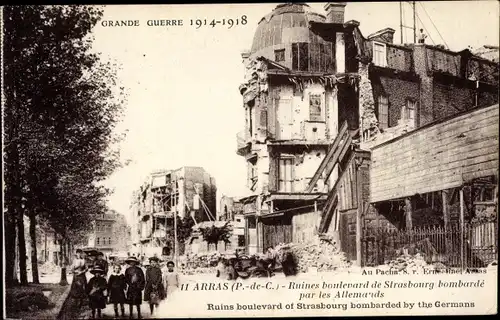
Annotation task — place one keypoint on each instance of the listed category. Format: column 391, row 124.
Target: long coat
column 116, row 288
column 79, row 284
column 95, row 290
column 154, row 283
column 134, row 277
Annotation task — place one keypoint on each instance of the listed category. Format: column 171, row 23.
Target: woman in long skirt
column 78, row 289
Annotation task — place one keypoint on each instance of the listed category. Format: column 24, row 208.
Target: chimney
column 384, row 35
column 335, row 12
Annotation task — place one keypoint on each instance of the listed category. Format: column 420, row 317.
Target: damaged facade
column 306, row 76
column 186, row 192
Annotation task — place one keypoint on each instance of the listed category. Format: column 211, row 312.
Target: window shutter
column 273, row 171
column 263, row 119
column 383, row 112
column 271, row 117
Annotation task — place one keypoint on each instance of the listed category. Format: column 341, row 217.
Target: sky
column 184, row 108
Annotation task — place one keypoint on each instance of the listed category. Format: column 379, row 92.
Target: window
column 241, row 241
column 408, row 111
column 250, row 121
column 109, row 240
column 252, row 175
column 379, row 54
column 279, row 55
column 383, row 112
column 286, row 174
column 98, row 240
column 315, row 113
column 300, row 56
column 484, row 194
column 252, row 223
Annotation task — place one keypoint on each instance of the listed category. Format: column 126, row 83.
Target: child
column 171, row 278
column 116, row 289
column 97, row 291
column 154, row 291
column 134, row 277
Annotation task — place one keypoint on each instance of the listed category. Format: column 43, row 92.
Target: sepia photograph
column 250, row 160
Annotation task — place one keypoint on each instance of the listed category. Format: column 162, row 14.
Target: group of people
column 122, row 287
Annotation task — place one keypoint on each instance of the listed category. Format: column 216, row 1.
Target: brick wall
column 449, row 100
column 398, row 91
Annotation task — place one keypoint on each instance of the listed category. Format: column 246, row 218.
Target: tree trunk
column 23, row 274
column 34, row 258
column 64, row 279
column 10, row 250
column 45, row 254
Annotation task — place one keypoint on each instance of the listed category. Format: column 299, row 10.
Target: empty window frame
column 279, row 55
column 300, row 56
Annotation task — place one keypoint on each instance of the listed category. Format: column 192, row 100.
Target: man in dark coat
column 154, row 291
column 134, row 277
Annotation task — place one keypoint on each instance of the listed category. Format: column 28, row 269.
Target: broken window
column 241, row 240
column 379, row 54
column 484, row 194
column 383, row 112
column 300, row 56
column 315, row 113
column 252, row 223
column 279, row 55
column 252, row 175
column 286, row 174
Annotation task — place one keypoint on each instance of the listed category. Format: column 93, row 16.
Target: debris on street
column 322, row 254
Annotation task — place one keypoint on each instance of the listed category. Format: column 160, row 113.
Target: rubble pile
column 200, row 263
column 416, row 262
column 322, row 254
column 48, row 268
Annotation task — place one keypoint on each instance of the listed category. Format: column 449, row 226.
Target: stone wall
column 369, row 122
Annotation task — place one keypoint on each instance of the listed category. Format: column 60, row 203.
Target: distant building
column 232, row 210
column 110, row 233
column 186, row 192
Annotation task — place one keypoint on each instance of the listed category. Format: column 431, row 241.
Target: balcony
column 243, row 143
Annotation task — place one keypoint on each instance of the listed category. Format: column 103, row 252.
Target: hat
column 96, row 269
column 170, row 263
column 132, row 259
column 154, row 259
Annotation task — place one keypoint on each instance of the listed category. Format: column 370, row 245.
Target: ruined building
column 315, row 84
column 188, row 192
